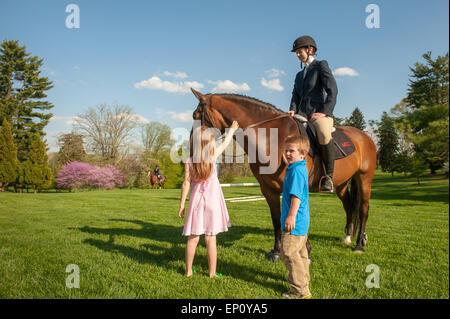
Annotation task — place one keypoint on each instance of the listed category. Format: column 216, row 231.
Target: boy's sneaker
column 295, row 295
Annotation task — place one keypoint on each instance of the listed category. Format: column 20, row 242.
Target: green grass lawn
column 128, row 244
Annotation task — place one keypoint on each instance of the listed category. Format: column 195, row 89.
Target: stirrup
column 320, row 185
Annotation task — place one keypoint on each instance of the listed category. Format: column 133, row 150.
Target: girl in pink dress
column 207, row 213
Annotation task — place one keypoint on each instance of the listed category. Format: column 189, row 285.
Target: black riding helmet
column 304, row 41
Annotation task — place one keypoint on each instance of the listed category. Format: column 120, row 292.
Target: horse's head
column 210, row 112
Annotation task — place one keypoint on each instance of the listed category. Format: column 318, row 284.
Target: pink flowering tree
column 76, row 175
column 105, row 177
column 73, row 175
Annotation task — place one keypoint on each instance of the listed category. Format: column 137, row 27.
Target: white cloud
column 274, row 73
column 184, row 117
column 178, row 75
column 228, row 86
column 273, row 84
column 49, row 71
column 72, row 120
column 345, row 71
column 156, row 83
column 55, row 118
column 139, row 119
column 69, row 120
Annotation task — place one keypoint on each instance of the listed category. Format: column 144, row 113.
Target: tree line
column 414, row 137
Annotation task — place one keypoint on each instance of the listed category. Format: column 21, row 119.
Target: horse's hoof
column 364, row 240
column 347, row 240
column 273, row 256
column 358, row 250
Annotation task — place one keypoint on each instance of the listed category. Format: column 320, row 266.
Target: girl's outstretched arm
column 184, row 188
column 228, row 138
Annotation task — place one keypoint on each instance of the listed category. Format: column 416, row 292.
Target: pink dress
column 207, row 213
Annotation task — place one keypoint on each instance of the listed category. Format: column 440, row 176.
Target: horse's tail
column 355, row 200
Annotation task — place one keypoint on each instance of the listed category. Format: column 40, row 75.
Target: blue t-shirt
column 296, row 183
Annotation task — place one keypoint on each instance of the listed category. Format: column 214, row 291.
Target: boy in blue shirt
column 295, row 217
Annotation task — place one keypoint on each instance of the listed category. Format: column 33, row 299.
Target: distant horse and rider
column 156, row 179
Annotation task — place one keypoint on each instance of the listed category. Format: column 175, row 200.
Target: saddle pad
column 343, row 146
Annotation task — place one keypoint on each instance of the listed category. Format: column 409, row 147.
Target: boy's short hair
column 302, row 143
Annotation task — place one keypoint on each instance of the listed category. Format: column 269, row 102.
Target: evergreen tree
column 402, row 162
column 424, row 114
column 71, row 148
column 418, row 167
column 356, row 120
column 388, row 143
column 22, row 91
column 430, row 82
column 9, row 165
column 36, row 172
column 338, row 121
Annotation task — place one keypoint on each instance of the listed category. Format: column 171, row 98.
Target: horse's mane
column 252, row 100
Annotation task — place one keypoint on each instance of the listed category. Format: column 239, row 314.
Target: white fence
column 239, row 184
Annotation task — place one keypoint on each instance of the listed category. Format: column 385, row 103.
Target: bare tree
column 107, row 130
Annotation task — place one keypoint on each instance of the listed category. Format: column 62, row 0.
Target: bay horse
column 154, row 180
column 355, row 171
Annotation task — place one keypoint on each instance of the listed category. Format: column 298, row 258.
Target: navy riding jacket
column 316, row 93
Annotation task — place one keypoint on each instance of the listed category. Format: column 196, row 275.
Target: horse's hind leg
column 364, row 187
column 344, row 196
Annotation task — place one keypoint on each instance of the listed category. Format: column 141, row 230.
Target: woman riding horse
column 309, row 101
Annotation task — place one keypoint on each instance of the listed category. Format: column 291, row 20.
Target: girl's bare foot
column 190, row 272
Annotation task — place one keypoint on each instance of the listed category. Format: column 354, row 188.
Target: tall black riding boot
column 326, row 184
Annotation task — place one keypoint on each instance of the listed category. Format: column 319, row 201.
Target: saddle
column 343, row 146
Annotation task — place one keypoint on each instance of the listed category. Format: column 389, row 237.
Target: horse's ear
column 198, row 95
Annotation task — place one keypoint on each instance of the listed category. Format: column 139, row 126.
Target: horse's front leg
column 273, row 199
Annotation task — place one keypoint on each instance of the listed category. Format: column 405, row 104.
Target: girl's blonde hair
column 203, row 165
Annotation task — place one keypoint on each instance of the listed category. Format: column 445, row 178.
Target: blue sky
column 146, row 54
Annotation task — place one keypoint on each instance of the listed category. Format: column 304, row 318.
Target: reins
column 205, row 112
column 272, row 119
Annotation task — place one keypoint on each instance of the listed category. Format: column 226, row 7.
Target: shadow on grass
column 170, row 248
column 171, row 234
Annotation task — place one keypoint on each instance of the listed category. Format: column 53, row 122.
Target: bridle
column 205, row 114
